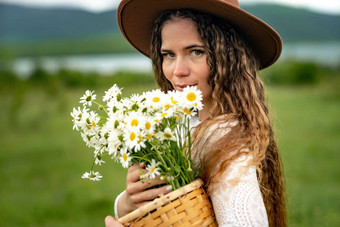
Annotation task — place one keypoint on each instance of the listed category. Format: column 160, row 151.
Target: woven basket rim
column 162, row 200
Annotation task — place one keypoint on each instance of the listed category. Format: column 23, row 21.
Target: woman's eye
column 197, row 52
column 168, row 55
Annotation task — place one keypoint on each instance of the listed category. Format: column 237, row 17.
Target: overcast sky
column 329, row 6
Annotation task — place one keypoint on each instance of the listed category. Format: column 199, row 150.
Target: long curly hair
column 238, row 93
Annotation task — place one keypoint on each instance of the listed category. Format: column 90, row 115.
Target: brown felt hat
column 136, row 19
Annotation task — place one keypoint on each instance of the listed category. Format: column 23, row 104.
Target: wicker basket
column 186, row 206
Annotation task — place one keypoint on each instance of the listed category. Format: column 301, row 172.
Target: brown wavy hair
column 238, row 93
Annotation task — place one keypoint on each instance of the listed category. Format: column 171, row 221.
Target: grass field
column 42, row 159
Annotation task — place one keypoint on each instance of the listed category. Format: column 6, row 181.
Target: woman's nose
column 181, row 68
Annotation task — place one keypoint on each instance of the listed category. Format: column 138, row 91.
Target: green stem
column 104, row 107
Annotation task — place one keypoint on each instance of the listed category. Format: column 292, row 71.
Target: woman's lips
column 180, row 87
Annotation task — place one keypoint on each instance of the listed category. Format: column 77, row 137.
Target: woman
column 218, row 47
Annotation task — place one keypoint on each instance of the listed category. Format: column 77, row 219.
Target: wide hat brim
column 136, row 19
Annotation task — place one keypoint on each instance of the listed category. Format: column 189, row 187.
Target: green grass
column 42, row 158
column 308, row 130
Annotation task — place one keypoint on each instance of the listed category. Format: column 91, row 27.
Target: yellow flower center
column 134, row 122
column 164, row 114
column 187, row 111
column 191, row 96
column 148, row 125
column 156, row 99
column 167, row 106
column 94, row 124
column 167, row 135
column 132, row 136
column 153, row 169
column 124, row 157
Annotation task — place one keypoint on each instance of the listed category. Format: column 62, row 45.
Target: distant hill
column 19, row 23
column 295, row 24
column 40, row 31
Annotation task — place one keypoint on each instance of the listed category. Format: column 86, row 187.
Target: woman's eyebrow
column 185, row 48
column 194, row 46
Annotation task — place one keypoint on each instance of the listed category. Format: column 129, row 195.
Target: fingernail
column 168, row 188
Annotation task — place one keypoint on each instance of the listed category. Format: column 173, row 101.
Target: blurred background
column 52, row 51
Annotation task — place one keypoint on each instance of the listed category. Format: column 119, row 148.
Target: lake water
column 103, row 64
column 322, row 52
column 327, row 53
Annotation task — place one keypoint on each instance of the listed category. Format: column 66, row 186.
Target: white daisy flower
column 132, row 137
column 91, row 140
column 77, row 116
column 190, row 112
column 148, row 126
column 167, row 134
column 87, row 98
column 192, row 98
column 93, row 119
column 89, row 122
column 95, row 176
column 134, row 119
column 114, row 93
column 153, row 169
column 125, row 158
column 154, row 99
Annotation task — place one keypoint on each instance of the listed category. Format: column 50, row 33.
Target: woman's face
column 184, row 57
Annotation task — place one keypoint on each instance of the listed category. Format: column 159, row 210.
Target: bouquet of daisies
column 151, row 128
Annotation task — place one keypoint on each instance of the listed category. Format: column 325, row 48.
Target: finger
column 111, row 222
column 150, row 194
column 135, row 166
column 134, row 171
column 149, row 183
column 139, row 186
column 134, row 175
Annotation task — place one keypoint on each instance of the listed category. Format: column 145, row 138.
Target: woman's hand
column 111, row 222
column 139, row 193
